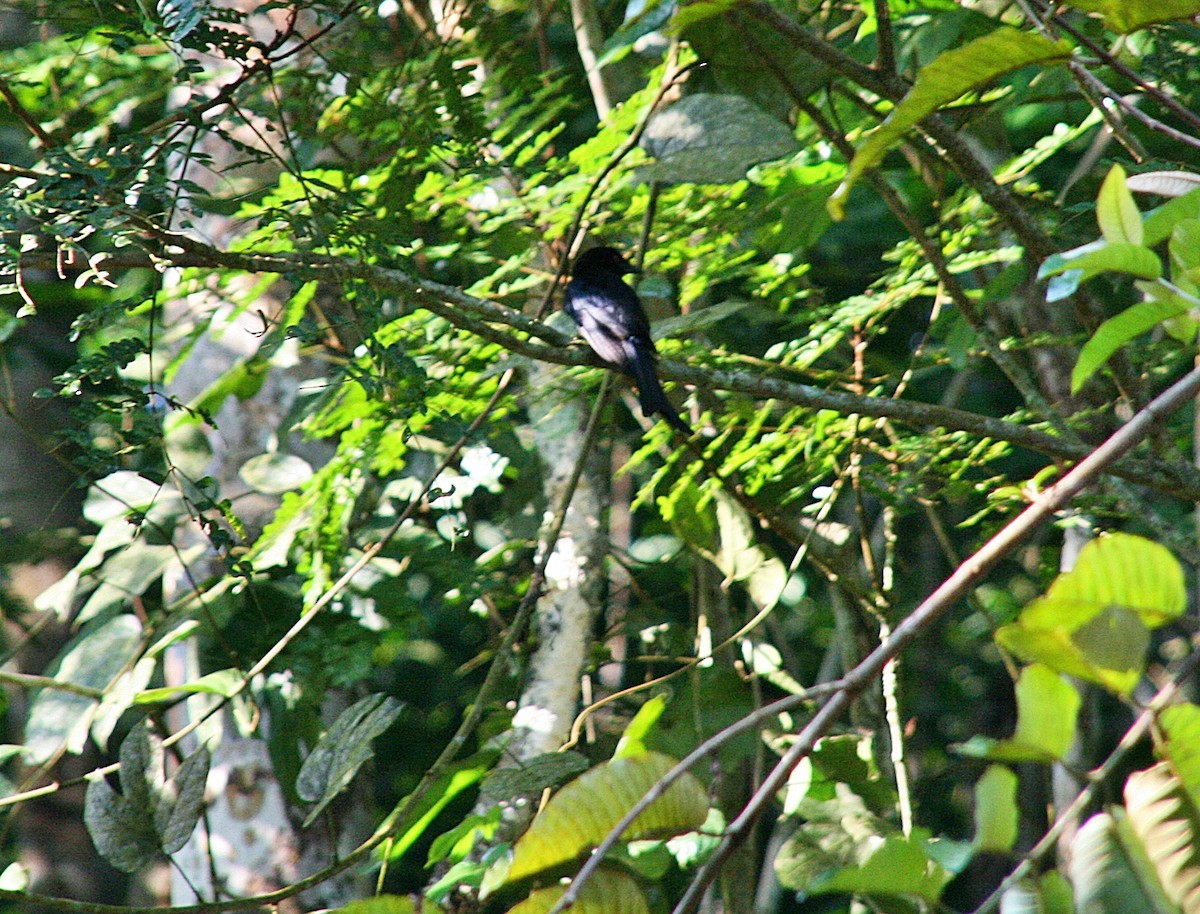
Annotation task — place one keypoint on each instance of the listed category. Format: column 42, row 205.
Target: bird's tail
column 651, row 395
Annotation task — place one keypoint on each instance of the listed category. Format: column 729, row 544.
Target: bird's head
column 606, row 260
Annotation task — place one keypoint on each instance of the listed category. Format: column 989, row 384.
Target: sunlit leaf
column 1125, row 16
column 946, row 79
column 607, row 892
column 1109, row 872
column 1116, row 213
column 1082, row 263
column 897, row 867
column 1119, row 330
column 996, row 813
column 1094, row 621
column 582, row 814
column 1165, row 817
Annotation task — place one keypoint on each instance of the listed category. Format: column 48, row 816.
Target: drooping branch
column 525, row 336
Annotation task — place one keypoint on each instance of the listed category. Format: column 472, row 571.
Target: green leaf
column 1094, row 621
column 1165, row 818
column 897, row 867
column 225, row 683
column 177, row 815
column 607, row 892
column 633, row 740
column 1116, row 213
column 462, row 776
column 1109, row 872
column 1181, row 726
column 1125, row 16
column 996, row 813
column 1047, row 710
column 946, row 79
column 333, row 763
column 530, row 777
column 582, row 814
column 93, row 660
column 712, row 139
column 123, row 834
column 1160, row 223
column 1080, row 264
column 380, row 904
column 1119, row 330
column 275, row 473
column 152, row 815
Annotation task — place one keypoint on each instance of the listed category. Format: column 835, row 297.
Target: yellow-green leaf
column 1166, row 820
column 946, row 79
column 581, row 815
column 1094, row 621
column 1125, row 16
column 996, row 813
column 1117, row 214
column 607, row 892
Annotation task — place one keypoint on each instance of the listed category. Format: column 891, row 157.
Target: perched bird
column 612, row 320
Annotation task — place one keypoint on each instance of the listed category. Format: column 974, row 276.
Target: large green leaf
column 996, row 813
column 898, row 866
column 1110, row 873
column 1127, row 16
column 1180, row 724
column 1080, row 264
column 712, row 139
column 1165, row 818
column 343, row 750
column 153, row 814
column 1119, row 330
column 92, row 661
column 1047, row 710
column 950, row 76
column 1116, row 213
column 1094, row 621
column 581, row 815
column 607, row 892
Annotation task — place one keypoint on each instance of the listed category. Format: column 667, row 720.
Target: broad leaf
column 607, row 892
column 1116, row 213
column 946, row 79
column 1094, row 621
column 530, row 777
column 1125, row 16
column 93, row 661
column 275, row 473
column 1160, row 223
column 1047, row 709
column 153, row 815
column 1180, row 724
column 331, row 766
column 1164, row 183
column 712, row 139
column 897, row 867
column 1080, row 264
column 582, row 814
column 1165, row 818
column 124, row 834
column 179, row 812
column 1109, row 871
column 996, row 813
column 1119, row 330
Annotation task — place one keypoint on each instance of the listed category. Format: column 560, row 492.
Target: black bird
column 612, row 320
